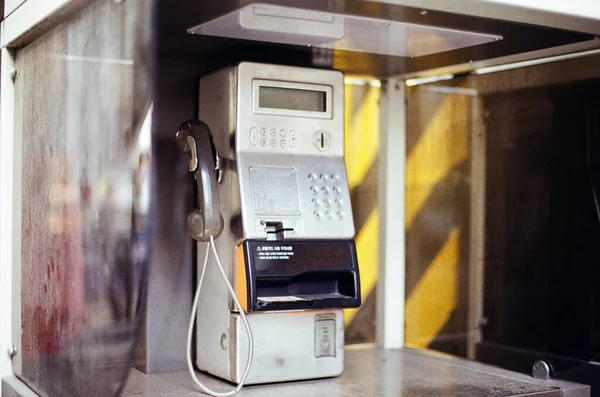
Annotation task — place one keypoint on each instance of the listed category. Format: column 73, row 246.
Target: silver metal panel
column 325, row 212
column 278, row 359
column 374, row 372
column 217, row 109
column 16, row 229
column 10, row 171
column 315, row 146
column 84, row 93
column 162, row 343
column 299, row 181
column 391, row 196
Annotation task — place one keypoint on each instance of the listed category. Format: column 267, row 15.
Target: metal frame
column 477, row 226
column 32, row 18
column 28, row 19
column 578, row 15
column 391, row 195
column 11, row 5
column 547, row 55
column 10, row 161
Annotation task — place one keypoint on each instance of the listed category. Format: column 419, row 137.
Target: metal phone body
column 282, row 168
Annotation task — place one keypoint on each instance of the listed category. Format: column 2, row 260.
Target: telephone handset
column 194, row 137
column 205, row 224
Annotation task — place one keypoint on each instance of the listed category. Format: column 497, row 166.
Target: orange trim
column 241, row 286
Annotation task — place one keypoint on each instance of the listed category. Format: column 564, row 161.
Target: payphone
column 274, row 203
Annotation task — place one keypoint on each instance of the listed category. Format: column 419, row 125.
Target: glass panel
column 542, row 295
column 361, row 151
column 521, row 183
column 83, row 111
column 437, row 218
column 278, row 24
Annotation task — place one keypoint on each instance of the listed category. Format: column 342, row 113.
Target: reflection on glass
column 438, row 152
column 514, row 165
column 361, row 148
column 85, row 124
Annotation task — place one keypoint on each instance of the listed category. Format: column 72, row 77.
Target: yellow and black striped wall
column 437, row 205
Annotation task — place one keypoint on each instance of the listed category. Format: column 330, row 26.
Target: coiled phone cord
column 193, row 318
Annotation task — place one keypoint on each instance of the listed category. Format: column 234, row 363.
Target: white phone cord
column 191, row 328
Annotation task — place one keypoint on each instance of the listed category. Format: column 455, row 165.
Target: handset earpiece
column 206, row 221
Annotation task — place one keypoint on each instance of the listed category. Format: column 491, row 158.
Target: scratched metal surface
column 373, row 372
column 82, row 96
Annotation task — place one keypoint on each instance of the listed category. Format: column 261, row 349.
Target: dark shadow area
column 542, row 277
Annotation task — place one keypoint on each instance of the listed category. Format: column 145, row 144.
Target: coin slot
column 322, row 140
column 276, row 231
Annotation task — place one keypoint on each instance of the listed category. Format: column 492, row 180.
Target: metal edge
column 554, row 54
column 476, row 270
column 15, row 223
column 34, row 18
column 569, row 389
column 14, row 387
column 10, row 285
column 391, row 197
column 10, row 9
column 509, row 12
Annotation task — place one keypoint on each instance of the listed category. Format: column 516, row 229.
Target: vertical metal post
column 477, row 226
column 391, row 197
column 10, row 309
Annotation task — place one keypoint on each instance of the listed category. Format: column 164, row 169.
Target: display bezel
column 326, row 89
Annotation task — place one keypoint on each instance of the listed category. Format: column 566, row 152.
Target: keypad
column 325, row 191
column 272, row 137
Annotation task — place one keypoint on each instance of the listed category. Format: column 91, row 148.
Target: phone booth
column 347, row 197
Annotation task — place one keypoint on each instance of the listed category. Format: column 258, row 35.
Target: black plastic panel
column 308, row 274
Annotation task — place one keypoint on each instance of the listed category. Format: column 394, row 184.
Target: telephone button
column 273, row 132
column 282, row 143
column 253, row 137
column 263, row 142
column 263, row 131
column 340, row 215
column 336, row 190
column 282, row 132
column 273, row 142
column 318, row 215
column 312, row 177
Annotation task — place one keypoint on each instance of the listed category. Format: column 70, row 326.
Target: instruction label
column 274, row 252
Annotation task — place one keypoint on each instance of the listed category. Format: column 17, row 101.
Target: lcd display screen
column 291, row 99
